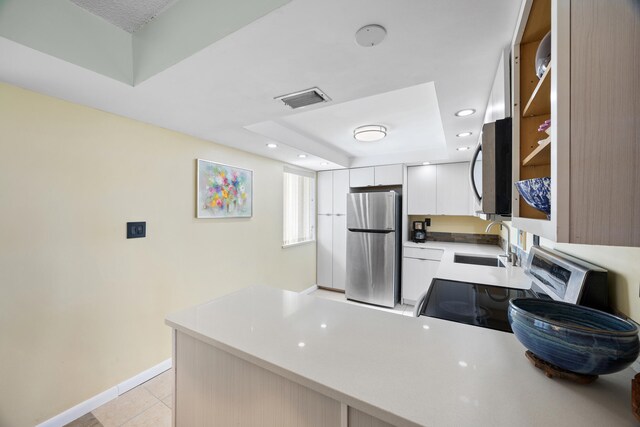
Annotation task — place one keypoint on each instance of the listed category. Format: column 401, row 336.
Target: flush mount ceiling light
column 370, row 133
column 463, row 134
column 302, row 156
column 272, row 145
column 466, row 112
column 462, row 148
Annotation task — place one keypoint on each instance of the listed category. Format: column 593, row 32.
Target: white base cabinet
column 419, row 268
column 324, row 250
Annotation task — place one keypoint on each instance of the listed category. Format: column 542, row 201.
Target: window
column 299, row 225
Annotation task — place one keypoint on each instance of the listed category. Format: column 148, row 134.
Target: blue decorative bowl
column 572, row 337
column 537, row 193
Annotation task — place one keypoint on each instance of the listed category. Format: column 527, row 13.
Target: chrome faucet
column 508, row 253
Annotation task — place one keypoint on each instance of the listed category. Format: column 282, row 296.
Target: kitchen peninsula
column 262, row 356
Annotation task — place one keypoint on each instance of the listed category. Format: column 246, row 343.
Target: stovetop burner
column 471, row 303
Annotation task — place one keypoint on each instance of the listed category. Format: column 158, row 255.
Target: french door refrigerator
column 373, row 248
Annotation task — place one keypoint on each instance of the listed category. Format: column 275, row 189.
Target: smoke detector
column 370, row 35
column 304, row 98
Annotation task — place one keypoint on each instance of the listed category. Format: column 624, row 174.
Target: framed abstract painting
column 224, row 191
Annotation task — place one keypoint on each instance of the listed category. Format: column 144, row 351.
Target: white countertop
column 408, row 371
column 509, row 276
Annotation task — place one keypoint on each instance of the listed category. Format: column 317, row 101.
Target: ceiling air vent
column 304, row 98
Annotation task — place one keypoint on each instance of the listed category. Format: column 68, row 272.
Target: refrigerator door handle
column 361, row 230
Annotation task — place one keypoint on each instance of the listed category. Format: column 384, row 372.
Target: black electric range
column 471, row 303
column 553, row 275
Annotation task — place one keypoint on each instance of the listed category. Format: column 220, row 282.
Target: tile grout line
column 145, row 409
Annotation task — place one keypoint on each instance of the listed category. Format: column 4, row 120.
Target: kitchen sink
column 477, row 260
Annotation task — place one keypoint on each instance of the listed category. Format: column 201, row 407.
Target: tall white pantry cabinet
column 333, row 187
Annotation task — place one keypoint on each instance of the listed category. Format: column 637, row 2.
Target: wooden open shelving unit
column 541, row 155
column 535, row 95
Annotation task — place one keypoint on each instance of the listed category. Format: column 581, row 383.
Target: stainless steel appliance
column 373, row 248
column 554, row 275
column 494, row 192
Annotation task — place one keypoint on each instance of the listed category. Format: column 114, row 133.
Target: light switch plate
column 136, row 230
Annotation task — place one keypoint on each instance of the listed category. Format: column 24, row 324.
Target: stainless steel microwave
column 492, row 188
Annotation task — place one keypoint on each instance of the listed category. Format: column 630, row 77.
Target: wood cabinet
column 419, row 268
column 331, row 252
column 590, row 93
column 439, row 190
column 376, row 176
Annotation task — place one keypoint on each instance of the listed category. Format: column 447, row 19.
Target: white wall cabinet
column 376, row 176
column 439, row 190
column 418, row 270
column 388, row 175
column 453, row 189
column 361, row 177
column 421, row 190
column 333, row 187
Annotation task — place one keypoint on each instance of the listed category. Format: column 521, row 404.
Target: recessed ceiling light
column 370, row 133
column 302, row 156
column 462, row 148
column 300, row 344
column 272, row 145
column 324, row 164
column 466, row 112
column 426, row 163
column 323, row 325
column 463, row 134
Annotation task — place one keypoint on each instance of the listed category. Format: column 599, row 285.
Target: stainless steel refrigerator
column 373, row 248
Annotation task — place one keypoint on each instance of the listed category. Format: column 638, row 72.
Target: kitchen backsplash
column 482, row 239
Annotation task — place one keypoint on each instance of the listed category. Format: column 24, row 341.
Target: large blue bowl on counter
column 573, row 337
column 537, row 193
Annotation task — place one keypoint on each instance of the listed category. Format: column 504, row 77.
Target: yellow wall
column 455, row 224
column 81, row 307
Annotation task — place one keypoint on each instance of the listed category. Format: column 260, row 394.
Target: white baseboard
column 309, row 290
column 100, row 399
column 142, row 377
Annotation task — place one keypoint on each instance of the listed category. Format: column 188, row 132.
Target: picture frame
column 223, row 191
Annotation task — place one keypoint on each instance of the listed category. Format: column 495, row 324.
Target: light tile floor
column 149, row 404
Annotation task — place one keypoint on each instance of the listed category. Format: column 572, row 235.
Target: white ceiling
column 231, row 84
column 411, row 116
column 126, row 14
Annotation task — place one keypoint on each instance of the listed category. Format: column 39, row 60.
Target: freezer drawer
column 371, row 211
column 372, row 269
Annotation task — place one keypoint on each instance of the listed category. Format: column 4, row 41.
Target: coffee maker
column 419, row 232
